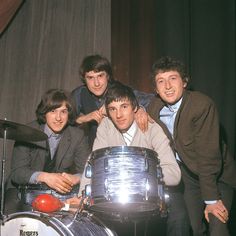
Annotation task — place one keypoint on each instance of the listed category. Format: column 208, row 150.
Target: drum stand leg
column 3, row 174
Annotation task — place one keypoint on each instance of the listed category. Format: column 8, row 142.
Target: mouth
column 169, row 93
column 120, row 122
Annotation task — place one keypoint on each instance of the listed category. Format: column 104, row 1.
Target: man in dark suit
column 55, row 164
column 190, row 120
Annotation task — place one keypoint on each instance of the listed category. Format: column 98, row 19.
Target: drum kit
column 126, row 184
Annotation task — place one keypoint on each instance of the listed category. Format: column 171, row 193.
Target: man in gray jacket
column 52, row 165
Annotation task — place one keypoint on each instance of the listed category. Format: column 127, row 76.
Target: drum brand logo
column 28, row 233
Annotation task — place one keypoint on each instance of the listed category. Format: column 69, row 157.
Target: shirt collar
column 50, row 133
column 132, row 129
column 175, row 107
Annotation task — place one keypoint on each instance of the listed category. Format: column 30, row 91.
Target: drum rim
column 122, row 149
column 38, row 216
column 56, row 224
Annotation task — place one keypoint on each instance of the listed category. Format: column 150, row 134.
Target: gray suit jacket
column 71, row 155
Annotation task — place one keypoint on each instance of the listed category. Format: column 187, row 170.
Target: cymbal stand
column 3, row 174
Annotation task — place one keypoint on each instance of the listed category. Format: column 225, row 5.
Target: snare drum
column 41, row 224
column 125, row 179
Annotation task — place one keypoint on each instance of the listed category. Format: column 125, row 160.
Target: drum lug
column 146, row 165
column 106, row 164
column 88, row 190
column 88, row 171
column 147, row 187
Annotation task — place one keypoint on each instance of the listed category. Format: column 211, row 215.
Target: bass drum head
column 62, row 224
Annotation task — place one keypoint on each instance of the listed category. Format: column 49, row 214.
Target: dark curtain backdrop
column 43, row 47
column 200, row 33
column 45, row 42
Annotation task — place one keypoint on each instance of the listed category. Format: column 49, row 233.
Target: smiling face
column 170, row 86
column 96, row 82
column 57, row 118
column 121, row 114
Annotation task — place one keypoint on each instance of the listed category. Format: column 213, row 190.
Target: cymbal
column 19, row 132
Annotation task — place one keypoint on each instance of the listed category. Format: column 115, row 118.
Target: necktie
column 128, row 138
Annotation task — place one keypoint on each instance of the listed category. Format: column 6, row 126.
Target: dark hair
column 166, row 64
column 53, row 99
column 95, row 63
column 119, row 92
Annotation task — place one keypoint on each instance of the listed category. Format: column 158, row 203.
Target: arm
column 160, row 144
column 102, row 138
column 207, row 127
column 141, row 116
column 143, row 98
column 21, row 164
column 84, row 114
column 96, row 115
column 207, row 151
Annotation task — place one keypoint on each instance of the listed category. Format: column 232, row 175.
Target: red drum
column 36, row 224
column 125, row 181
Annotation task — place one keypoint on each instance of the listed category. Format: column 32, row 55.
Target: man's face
column 121, row 114
column 170, row 86
column 96, row 82
column 57, row 119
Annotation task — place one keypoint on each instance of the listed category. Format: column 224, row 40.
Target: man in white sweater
column 120, row 129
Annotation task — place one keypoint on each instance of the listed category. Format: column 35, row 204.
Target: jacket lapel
column 62, row 147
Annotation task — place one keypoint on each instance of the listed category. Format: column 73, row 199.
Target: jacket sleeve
column 168, row 163
column 21, row 163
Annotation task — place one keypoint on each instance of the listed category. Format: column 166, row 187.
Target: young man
column 96, row 75
column 121, row 106
column 190, row 119
column 57, row 162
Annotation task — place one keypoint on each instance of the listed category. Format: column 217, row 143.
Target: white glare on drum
column 167, row 197
column 123, row 194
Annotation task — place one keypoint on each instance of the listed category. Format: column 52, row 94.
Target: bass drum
column 63, row 224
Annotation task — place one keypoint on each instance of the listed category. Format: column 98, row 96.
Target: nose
column 118, row 113
column 168, row 84
column 58, row 116
column 96, row 81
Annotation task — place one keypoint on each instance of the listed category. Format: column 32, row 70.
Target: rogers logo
column 28, row 233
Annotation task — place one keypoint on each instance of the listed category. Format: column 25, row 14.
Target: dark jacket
column 86, row 102
column 71, row 155
column 197, row 141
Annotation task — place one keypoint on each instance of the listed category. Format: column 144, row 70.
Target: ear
column 135, row 109
column 185, row 82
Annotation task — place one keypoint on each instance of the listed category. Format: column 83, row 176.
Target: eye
column 64, row 111
column 124, row 106
column 89, row 77
column 111, row 109
column 160, row 81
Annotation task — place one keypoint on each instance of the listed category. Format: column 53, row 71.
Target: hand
column 103, row 111
column 75, row 179
column 95, row 115
column 218, row 210
column 73, row 201
column 142, row 118
column 56, row 181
